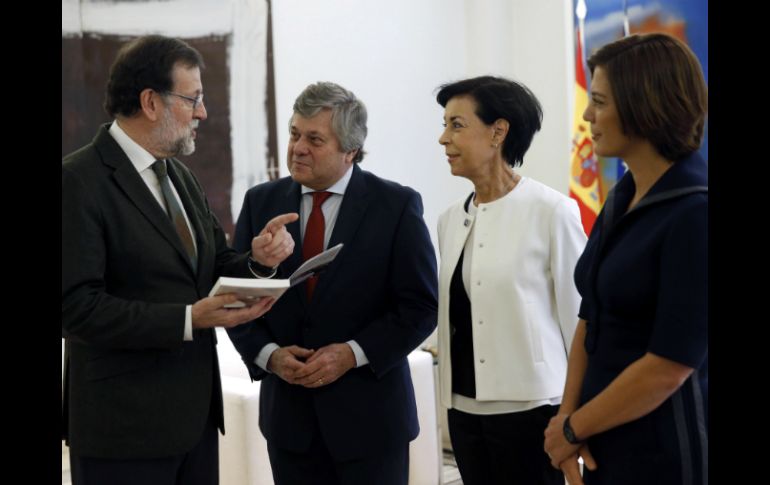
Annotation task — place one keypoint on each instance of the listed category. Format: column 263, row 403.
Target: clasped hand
column 563, row 454
column 312, row 368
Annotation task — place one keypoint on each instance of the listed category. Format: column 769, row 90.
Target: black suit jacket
column 133, row 388
column 380, row 290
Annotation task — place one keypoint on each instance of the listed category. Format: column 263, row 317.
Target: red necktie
column 314, row 236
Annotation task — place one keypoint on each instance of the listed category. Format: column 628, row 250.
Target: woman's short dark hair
column 659, row 91
column 146, row 62
column 498, row 98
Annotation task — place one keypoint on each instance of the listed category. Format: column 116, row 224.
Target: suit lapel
column 129, row 180
column 352, row 211
column 291, row 203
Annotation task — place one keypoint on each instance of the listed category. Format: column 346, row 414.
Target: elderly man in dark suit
column 337, row 404
column 140, row 251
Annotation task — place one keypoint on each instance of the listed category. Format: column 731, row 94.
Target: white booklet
column 250, row 290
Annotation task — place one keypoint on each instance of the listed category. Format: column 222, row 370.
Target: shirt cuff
column 264, row 355
column 188, row 323
column 358, row 352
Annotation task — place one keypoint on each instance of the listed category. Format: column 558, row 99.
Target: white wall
column 543, row 60
column 394, row 54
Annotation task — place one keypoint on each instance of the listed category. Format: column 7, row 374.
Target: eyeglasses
column 195, row 101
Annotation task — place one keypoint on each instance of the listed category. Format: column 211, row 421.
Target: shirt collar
column 688, row 172
column 338, row 188
column 140, row 158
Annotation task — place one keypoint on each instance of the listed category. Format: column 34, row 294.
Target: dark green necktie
column 175, row 211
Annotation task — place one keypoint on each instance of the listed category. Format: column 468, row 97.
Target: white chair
column 425, row 457
column 243, row 458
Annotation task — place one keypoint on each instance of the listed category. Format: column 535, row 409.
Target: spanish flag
column 584, row 182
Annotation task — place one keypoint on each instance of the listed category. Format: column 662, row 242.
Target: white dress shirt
column 142, row 161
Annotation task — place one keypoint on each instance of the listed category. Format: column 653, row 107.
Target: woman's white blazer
column 524, row 304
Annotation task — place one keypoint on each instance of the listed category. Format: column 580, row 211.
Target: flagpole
column 581, row 11
column 626, row 28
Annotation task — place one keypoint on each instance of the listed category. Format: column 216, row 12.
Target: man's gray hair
column 348, row 113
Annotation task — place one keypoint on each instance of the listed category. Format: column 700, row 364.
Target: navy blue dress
column 643, row 278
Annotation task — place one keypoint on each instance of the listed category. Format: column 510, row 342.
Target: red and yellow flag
column 584, row 181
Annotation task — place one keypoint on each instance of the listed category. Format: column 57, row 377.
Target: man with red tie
column 337, row 403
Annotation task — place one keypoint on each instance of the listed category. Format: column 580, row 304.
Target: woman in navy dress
column 635, row 403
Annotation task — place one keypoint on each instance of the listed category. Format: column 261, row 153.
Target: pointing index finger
column 277, row 222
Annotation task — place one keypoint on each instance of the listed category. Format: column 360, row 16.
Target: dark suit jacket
column 133, row 388
column 380, row 290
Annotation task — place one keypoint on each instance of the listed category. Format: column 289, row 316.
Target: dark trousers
column 199, row 466
column 503, row 449
column 316, row 466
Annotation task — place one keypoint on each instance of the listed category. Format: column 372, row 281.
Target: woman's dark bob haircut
column 659, row 91
column 498, row 98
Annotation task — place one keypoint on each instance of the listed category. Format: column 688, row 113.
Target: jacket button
column 481, row 360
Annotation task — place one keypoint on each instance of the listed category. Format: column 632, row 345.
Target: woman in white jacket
column 507, row 302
